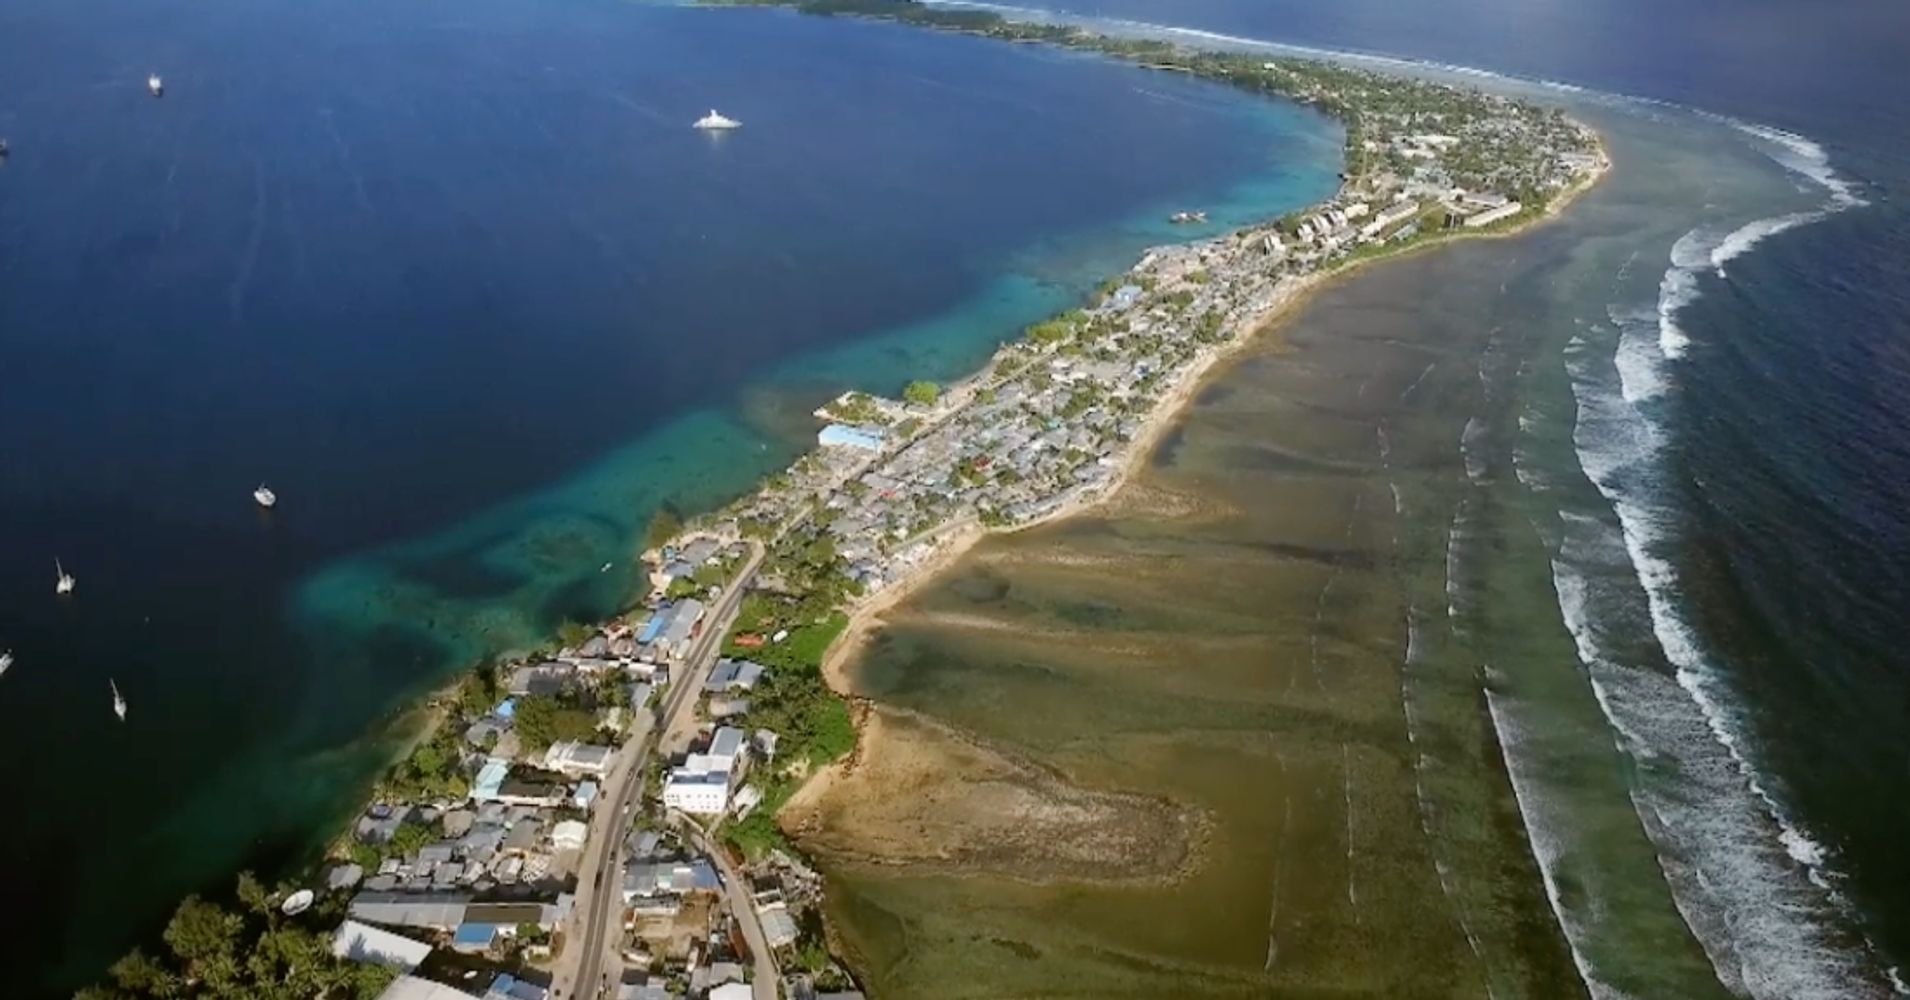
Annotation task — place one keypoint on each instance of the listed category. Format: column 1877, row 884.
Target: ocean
column 1646, row 545
column 461, row 284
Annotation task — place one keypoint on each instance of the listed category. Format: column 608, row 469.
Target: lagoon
column 459, row 281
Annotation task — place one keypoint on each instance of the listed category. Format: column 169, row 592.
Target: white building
column 702, row 785
column 1393, row 216
column 569, row 835
column 701, row 793
column 1503, row 212
column 365, row 943
column 573, row 758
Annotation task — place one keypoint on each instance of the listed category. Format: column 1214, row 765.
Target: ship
column 63, row 583
column 1183, row 218
column 714, row 122
column 3, row 150
column 119, row 703
column 265, row 497
column 6, row 661
column 156, row 85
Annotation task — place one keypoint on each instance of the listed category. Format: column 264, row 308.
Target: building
column 779, row 927
column 730, row 675
column 1389, row 218
column 435, row 911
column 573, row 758
column 569, row 835
column 669, row 878
column 543, row 679
column 845, row 436
column 413, row 988
column 509, row 987
column 701, row 793
column 1500, row 214
column 490, row 779
column 377, row 946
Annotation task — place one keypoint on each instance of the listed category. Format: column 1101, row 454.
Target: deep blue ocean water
column 458, row 280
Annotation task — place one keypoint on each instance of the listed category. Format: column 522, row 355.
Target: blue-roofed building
column 585, row 795
column 506, row 709
column 845, row 436
column 654, row 627
column 509, row 987
column 490, row 779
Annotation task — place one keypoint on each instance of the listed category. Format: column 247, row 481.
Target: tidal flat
column 1324, row 621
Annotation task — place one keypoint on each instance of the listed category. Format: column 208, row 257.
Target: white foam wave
column 1546, row 848
column 1748, row 877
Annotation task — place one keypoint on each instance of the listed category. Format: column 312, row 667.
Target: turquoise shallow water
column 460, row 283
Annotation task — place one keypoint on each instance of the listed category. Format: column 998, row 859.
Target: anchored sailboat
column 717, row 122
column 156, row 85
column 265, row 497
column 119, row 703
column 64, row 583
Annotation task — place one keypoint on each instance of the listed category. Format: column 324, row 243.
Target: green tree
column 820, row 553
column 541, row 720
column 142, row 975
column 921, row 393
column 253, row 895
column 205, row 937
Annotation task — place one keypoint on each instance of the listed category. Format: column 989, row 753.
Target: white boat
column 716, row 122
column 265, row 497
column 6, row 660
column 119, row 703
column 297, row 903
column 156, row 85
column 64, row 582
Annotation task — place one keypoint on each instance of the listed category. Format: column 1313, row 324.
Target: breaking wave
column 1748, row 878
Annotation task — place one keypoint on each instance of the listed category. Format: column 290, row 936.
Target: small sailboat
column 64, row 583
column 119, row 703
column 156, row 85
column 6, row 661
column 716, row 122
column 265, row 497
column 605, row 569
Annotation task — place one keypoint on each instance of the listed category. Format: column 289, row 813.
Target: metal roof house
column 401, row 909
column 377, row 946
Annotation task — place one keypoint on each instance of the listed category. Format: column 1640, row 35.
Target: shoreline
column 866, row 615
column 949, row 542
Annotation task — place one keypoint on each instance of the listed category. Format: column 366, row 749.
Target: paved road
column 743, row 907
column 581, row 973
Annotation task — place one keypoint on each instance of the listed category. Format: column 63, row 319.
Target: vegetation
column 214, row 952
column 857, row 408
column 541, row 720
column 921, row 393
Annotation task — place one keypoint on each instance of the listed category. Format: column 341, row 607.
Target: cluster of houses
column 1043, row 425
